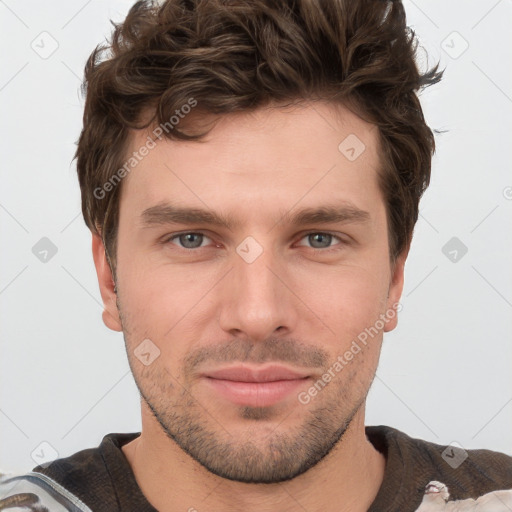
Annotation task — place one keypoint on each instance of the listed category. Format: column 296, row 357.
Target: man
column 251, row 173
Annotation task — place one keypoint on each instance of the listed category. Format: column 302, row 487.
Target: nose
column 256, row 301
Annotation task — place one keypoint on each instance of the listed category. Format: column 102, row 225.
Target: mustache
column 246, row 351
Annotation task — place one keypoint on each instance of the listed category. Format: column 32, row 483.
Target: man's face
column 272, row 298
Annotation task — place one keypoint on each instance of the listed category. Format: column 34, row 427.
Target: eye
column 321, row 240
column 187, row 240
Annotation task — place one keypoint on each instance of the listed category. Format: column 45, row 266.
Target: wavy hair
column 240, row 55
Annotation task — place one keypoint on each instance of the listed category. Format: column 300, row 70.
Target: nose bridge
column 256, row 300
column 256, row 278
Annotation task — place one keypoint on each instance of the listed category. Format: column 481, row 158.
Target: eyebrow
column 165, row 213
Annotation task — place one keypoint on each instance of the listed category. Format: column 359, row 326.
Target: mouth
column 256, row 387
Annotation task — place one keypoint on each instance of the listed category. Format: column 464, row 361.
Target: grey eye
column 190, row 240
column 323, row 239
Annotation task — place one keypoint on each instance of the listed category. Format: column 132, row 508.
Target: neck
column 347, row 479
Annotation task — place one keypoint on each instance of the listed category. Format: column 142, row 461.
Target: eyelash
column 170, row 238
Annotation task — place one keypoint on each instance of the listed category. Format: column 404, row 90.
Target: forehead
column 309, row 153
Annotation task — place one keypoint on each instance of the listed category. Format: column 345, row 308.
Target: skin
column 206, row 307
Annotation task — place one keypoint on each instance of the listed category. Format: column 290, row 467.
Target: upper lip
column 247, row 374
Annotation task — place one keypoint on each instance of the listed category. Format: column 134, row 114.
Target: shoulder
column 37, row 492
column 81, row 480
column 467, row 473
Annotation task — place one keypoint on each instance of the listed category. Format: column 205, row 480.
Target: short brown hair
column 239, row 55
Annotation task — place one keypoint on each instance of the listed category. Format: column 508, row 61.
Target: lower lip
column 255, row 394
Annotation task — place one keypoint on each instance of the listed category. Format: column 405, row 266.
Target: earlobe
column 395, row 291
column 107, row 285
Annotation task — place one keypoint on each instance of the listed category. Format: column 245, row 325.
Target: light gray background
column 445, row 373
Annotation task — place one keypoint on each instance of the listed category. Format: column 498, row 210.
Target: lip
column 251, row 374
column 257, row 387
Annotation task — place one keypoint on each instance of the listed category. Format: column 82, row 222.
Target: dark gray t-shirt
column 100, row 479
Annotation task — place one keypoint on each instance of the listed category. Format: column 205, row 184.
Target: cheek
column 162, row 303
column 347, row 299
column 153, row 299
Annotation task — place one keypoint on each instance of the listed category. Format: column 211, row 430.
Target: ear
column 110, row 314
column 395, row 290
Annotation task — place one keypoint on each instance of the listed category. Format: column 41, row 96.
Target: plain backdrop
column 445, row 372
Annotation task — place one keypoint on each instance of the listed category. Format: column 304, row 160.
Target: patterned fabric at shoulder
column 436, row 499
column 36, row 492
